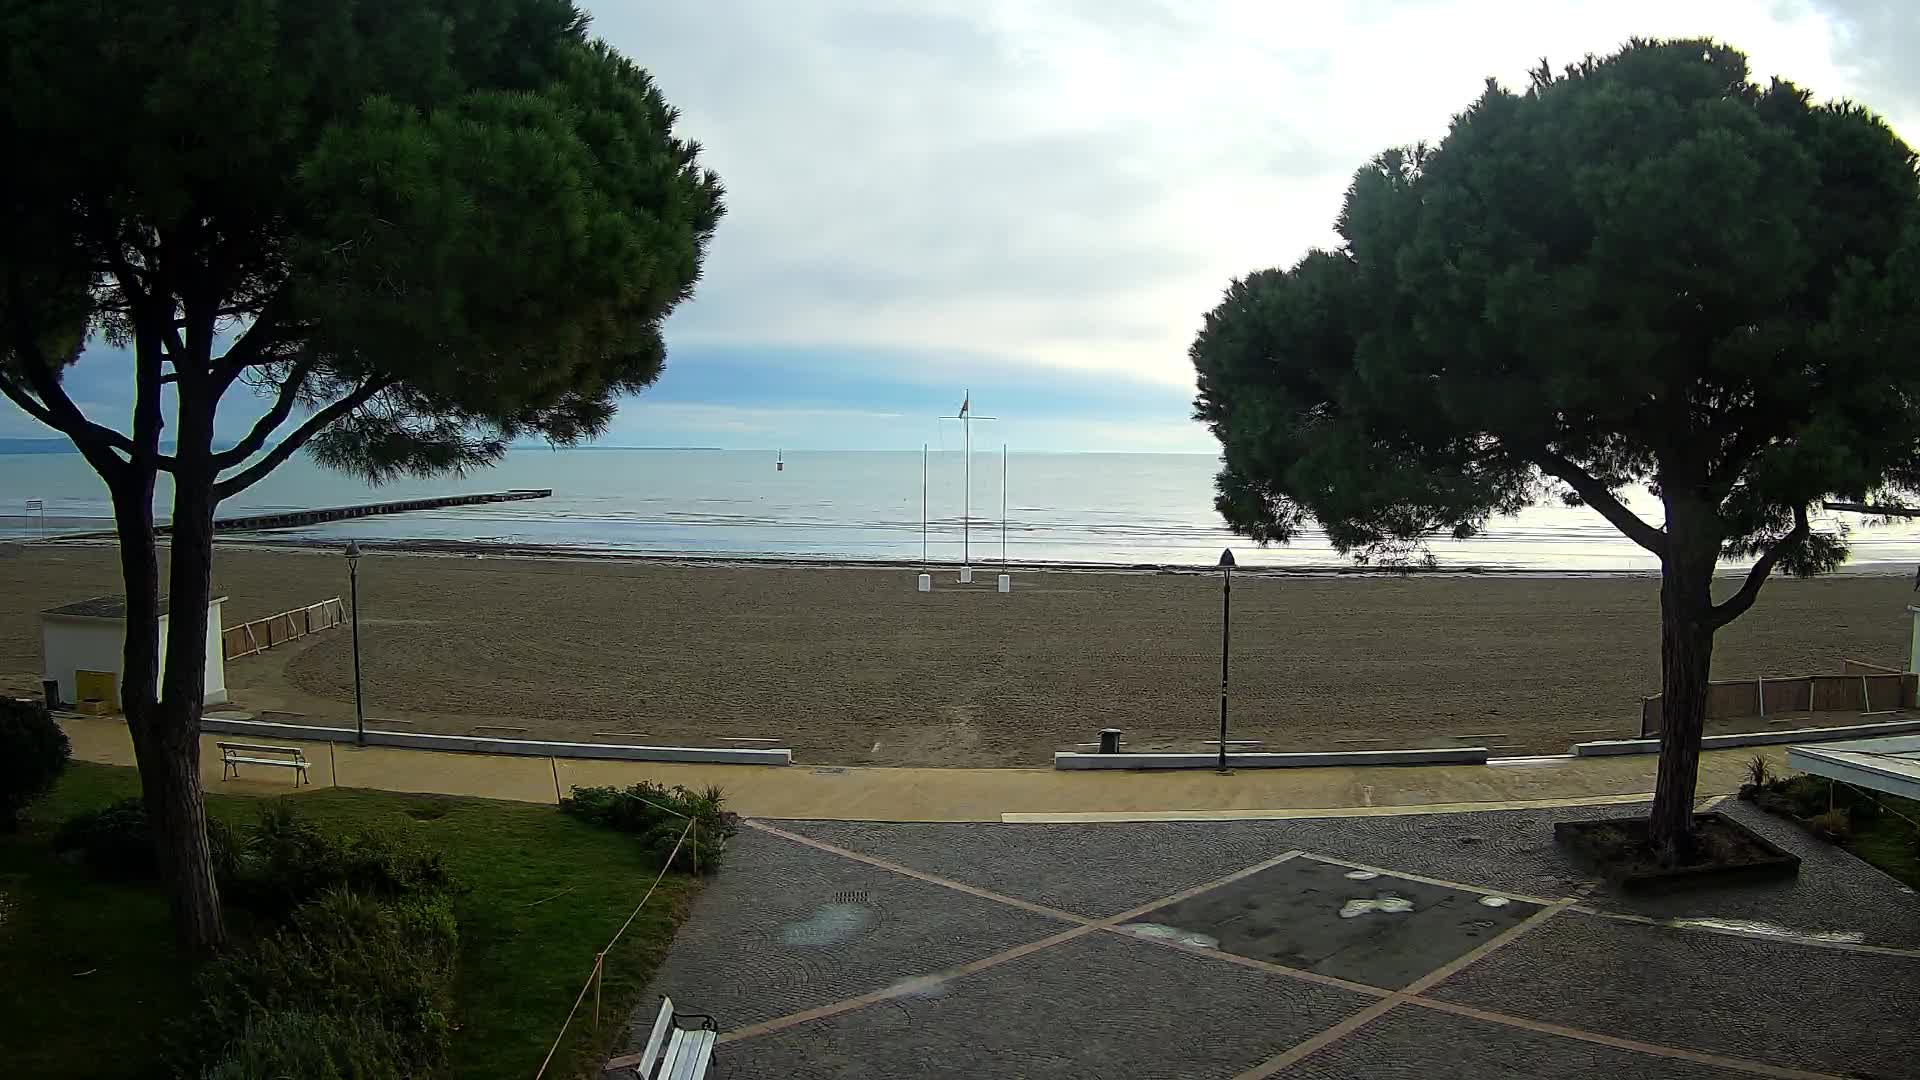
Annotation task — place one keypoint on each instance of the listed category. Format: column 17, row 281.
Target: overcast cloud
column 1039, row 200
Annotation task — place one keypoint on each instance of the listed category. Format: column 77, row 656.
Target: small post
column 359, row 704
column 1226, row 623
column 693, row 843
column 1110, row 740
column 599, row 964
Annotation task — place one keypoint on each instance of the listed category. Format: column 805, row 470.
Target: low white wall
column 477, row 745
column 1610, row 747
column 1460, row 755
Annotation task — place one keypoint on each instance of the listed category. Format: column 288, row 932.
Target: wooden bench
column 235, row 754
column 674, row 1052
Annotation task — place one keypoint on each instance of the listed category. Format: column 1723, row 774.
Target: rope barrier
column 600, row 959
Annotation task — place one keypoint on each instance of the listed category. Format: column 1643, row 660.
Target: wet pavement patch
column 1383, row 931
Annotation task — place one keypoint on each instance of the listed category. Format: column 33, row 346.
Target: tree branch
column 1596, row 495
column 314, row 424
column 57, row 410
column 264, row 427
column 1872, row 509
column 1736, row 605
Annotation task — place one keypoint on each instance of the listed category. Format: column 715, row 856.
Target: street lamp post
column 359, row 707
column 1226, row 622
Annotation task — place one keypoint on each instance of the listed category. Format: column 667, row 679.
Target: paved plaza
column 1431, row 946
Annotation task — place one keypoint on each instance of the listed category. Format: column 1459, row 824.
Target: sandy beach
column 852, row 666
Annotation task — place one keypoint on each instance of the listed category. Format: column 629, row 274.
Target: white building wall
column 69, row 644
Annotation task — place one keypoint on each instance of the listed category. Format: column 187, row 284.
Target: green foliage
column 306, row 1046
column 113, row 841
column 470, row 211
column 1645, row 270
column 659, row 816
column 1834, row 826
column 288, row 860
column 1759, row 771
column 380, row 974
column 33, row 754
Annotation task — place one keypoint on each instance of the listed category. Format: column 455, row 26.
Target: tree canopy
column 1646, row 271
column 421, row 229
column 424, row 227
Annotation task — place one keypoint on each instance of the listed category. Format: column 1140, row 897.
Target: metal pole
column 923, row 506
column 966, row 497
column 1226, row 619
column 1003, row 506
column 359, row 706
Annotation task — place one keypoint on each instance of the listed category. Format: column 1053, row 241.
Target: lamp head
column 353, row 552
column 1226, row 558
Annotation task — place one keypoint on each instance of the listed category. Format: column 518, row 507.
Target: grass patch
column 1883, row 830
column 539, row 895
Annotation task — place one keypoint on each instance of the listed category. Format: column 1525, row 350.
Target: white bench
column 235, row 754
column 679, row 1053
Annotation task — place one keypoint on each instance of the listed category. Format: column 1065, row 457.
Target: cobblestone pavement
column 1437, row 946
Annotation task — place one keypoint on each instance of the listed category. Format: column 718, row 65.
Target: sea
column 898, row 507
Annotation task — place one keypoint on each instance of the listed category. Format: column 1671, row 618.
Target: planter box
column 1605, row 845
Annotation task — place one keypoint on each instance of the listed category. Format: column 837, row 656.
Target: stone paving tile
column 1787, row 1004
column 1091, row 870
column 785, row 928
column 1096, row 1006
column 1421, row 1044
column 1300, row 914
column 1100, row 869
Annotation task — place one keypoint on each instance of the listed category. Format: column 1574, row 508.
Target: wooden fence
column 263, row 634
column 1857, row 691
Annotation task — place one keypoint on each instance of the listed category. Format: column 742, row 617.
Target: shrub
column 33, row 754
column 289, row 860
column 306, row 1046
column 658, row 815
column 113, row 840
column 1759, row 771
column 1833, row 826
column 380, row 974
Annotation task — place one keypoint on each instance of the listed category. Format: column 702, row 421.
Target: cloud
column 1040, row 200
column 1071, row 184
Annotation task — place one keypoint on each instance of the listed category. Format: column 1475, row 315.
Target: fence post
column 599, row 964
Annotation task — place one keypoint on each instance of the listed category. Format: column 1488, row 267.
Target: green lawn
column 92, row 984
column 1888, row 840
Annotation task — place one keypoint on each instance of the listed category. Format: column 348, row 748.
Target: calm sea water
column 1091, row 508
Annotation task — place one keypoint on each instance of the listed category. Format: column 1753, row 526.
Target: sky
column 1038, row 201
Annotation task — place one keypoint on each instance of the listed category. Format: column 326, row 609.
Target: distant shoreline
column 560, row 553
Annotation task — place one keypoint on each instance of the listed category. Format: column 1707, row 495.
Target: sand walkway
column 848, row 793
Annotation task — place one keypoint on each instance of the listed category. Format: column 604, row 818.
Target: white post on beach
column 926, row 579
column 1913, row 653
column 966, row 419
column 1005, row 583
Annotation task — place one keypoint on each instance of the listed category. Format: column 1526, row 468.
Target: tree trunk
column 1686, row 662
column 176, row 805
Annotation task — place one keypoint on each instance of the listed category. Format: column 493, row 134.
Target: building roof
column 1890, row 764
column 99, row 607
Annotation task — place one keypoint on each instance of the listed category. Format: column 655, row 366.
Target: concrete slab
column 1095, row 1007
column 1352, row 924
column 787, row 927
column 1786, row 1004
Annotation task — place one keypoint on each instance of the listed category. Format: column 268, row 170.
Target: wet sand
column 852, row 666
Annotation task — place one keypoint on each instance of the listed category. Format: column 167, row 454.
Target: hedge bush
column 658, row 815
column 375, row 978
column 114, row 841
column 307, row 1046
column 286, row 860
column 33, row 754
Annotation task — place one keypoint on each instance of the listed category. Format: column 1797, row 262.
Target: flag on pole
column 966, row 399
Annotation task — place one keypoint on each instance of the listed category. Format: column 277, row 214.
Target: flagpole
column 966, row 497
column 923, row 506
column 1003, row 506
